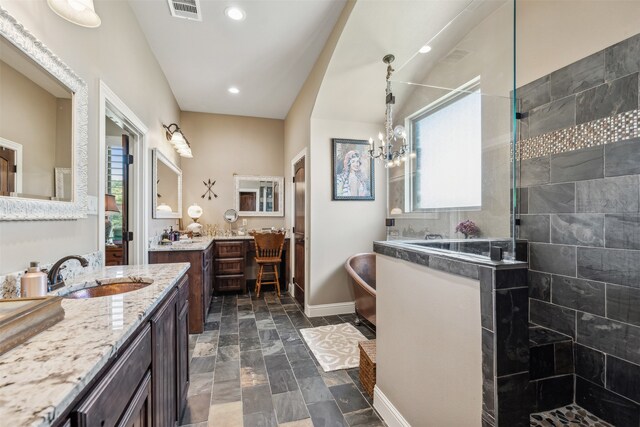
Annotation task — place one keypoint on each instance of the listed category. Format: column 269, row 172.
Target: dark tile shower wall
column 580, row 211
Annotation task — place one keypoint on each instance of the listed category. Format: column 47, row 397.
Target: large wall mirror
column 43, row 130
column 167, row 187
column 259, row 195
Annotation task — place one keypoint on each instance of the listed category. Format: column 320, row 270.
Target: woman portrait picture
column 352, row 170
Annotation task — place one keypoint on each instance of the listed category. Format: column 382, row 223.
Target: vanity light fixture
column 80, row 12
column 234, row 90
column 178, row 140
column 385, row 151
column 235, row 13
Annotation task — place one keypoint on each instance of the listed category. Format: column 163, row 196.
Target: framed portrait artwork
column 353, row 171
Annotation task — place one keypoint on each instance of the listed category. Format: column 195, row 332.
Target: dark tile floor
column 251, row 368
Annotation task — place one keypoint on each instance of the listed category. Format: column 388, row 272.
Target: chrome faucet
column 55, row 280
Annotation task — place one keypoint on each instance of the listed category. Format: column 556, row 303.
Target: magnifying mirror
column 231, row 216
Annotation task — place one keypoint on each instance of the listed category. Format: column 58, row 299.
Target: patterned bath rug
column 334, row 346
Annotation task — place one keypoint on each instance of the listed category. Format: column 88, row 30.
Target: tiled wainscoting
column 506, row 395
column 580, row 211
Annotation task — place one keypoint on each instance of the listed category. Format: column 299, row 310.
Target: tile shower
column 579, row 209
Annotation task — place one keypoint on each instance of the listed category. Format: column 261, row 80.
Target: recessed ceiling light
column 425, row 49
column 234, row 90
column 235, row 13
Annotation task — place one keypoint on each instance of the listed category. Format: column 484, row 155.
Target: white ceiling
column 267, row 56
column 354, row 84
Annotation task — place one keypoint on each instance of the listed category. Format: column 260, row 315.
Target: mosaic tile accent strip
column 609, row 130
column 10, row 283
column 569, row 415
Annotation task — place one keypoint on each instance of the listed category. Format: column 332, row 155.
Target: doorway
column 123, row 145
column 299, row 216
column 117, row 201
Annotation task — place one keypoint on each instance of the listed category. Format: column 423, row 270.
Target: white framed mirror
column 259, row 195
column 43, row 130
column 167, row 187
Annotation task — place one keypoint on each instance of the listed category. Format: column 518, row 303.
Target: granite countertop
column 40, row 378
column 412, row 253
column 197, row 243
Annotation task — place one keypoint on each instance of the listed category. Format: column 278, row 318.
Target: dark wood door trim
column 299, row 229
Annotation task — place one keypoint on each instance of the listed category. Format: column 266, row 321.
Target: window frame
column 411, row 173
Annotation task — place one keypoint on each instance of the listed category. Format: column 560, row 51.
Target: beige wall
column 429, row 356
column 297, row 124
column 552, row 34
column 117, row 52
column 329, row 242
column 64, row 135
column 223, row 146
column 490, row 47
column 28, row 116
column 340, row 228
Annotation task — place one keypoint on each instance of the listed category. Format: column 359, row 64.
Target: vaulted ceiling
column 267, row 56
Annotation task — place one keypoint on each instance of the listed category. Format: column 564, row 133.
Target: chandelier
column 385, row 151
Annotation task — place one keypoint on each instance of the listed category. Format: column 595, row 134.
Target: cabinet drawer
column 229, row 250
column 109, row 399
column 230, row 283
column 229, row 266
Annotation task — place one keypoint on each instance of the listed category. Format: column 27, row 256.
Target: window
column 115, row 181
column 447, row 139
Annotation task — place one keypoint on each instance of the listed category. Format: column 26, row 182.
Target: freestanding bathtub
column 362, row 274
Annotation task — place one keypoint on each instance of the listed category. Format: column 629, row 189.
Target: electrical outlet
column 244, row 222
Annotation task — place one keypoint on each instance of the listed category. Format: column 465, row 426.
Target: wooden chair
column 268, row 252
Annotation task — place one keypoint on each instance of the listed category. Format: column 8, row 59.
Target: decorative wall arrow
column 209, row 191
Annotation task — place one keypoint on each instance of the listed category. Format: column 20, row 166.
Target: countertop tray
column 22, row 318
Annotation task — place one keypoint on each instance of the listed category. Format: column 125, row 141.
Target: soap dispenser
column 34, row 282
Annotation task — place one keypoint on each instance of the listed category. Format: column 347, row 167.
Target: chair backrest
column 269, row 245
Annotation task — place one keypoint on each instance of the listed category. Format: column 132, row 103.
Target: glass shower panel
column 454, row 192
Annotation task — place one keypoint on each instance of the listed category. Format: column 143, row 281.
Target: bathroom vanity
column 198, row 253
column 218, row 264
column 116, row 360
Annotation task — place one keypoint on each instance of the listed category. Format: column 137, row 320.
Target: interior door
column 299, row 230
column 117, row 184
column 126, row 235
column 7, row 171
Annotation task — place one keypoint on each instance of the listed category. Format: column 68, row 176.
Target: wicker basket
column 368, row 365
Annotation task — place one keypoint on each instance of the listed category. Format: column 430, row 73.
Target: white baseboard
column 330, row 309
column 387, row 411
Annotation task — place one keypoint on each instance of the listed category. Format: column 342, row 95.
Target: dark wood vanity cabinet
column 139, row 412
column 114, row 394
column 230, row 258
column 146, row 384
column 165, row 363
column 182, row 341
column 229, row 262
column 200, row 281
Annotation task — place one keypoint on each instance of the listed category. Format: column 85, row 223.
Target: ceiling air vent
column 186, row 9
column 455, row 56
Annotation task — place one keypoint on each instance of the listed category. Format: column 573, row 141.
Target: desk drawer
column 229, row 266
column 113, row 255
column 234, row 282
column 229, row 250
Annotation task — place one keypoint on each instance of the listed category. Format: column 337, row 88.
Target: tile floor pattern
column 251, row 368
column 571, row 415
